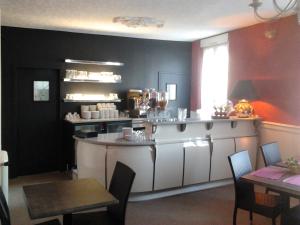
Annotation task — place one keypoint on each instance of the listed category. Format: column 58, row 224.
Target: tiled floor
column 209, row 207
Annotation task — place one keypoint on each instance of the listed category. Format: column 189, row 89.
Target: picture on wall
column 172, row 91
column 40, row 91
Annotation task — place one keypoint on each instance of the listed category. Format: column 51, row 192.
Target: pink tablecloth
column 293, row 180
column 274, row 173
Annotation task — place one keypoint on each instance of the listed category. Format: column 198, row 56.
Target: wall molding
column 287, row 136
column 280, row 127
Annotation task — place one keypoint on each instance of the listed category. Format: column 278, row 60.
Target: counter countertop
column 79, row 121
column 117, row 140
column 113, row 139
column 163, row 122
column 196, row 120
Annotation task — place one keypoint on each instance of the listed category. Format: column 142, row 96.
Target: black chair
column 271, row 153
column 5, row 217
column 120, row 187
column 271, row 156
column 293, row 216
column 245, row 197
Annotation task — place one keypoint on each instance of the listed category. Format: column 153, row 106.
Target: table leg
column 67, row 219
column 286, row 207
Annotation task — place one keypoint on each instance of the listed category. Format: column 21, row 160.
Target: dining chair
column 271, row 156
column 271, row 153
column 5, row 215
column 245, row 196
column 293, row 216
column 120, row 187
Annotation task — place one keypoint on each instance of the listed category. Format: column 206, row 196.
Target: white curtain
column 214, row 77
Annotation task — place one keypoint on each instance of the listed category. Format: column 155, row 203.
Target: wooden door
column 37, row 121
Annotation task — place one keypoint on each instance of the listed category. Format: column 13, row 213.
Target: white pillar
column 0, row 85
column 3, row 154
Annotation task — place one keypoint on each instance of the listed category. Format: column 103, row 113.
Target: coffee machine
column 134, row 99
column 147, row 103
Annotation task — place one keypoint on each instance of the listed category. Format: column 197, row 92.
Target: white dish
column 93, row 107
column 86, row 115
column 95, row 114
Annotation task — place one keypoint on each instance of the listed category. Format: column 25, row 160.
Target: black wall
column 30, row 48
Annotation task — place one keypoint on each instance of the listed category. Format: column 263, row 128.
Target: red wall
column 196, row 77
column 272, row 64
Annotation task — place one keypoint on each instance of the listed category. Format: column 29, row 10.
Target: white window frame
column 214, row 87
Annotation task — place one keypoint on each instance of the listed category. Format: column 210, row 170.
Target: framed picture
column 40, row 91
column 172, row 91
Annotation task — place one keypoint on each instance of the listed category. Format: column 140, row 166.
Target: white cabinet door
column 138, row 158
column 250, row 144
column 220, row 168
column 91, row 161
column 196, row 163
column 168, row 166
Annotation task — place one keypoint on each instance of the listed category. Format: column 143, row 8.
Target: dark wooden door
column 38, row 123
column 182, row 90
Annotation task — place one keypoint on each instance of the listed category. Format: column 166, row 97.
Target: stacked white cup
column 99, row 111
column 85, row 112
column 107, row 110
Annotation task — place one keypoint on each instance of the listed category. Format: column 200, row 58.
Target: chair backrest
column 4, row 211
column 120, row 187
column 240, row 165
column 271, row 153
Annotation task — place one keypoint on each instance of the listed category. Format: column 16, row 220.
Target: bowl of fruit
column 293, row 165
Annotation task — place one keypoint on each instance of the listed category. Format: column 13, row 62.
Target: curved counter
column 113, row 139
column 180, row 154
column 96, row 157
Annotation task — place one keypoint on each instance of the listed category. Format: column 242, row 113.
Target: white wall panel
column 287, row 136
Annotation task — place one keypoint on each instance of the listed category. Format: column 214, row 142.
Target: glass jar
column 162, row 99
column 153, row 98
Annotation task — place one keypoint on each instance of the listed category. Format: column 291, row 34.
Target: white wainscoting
column 288, row 137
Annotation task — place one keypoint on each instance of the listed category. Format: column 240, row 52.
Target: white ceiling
column 185, row 20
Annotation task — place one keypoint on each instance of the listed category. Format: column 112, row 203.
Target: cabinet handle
column 210, row 143
column 209, row 125
column 153, row 153
column 233, row 124
column 181, row 127
column 154, row 127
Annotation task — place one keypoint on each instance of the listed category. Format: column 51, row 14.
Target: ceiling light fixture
column 134, row 22
column 291, row 5
column 99, row 63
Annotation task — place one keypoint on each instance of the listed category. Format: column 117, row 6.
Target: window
column 214, row 79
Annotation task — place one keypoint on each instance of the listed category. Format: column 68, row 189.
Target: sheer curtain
column 214, row 77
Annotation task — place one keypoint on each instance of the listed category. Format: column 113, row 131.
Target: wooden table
column 286, row 190
column 281, row 164
column 65, row 198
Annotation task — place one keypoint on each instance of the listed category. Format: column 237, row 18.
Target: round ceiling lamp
column 135, row 22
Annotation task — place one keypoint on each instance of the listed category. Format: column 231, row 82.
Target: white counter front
column 190, row 153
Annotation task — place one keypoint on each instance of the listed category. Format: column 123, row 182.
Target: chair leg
column 285, row 207
column 234, row 215
column 251, row 216
column 67, row 219
column 273, row 221
column 267, row 191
